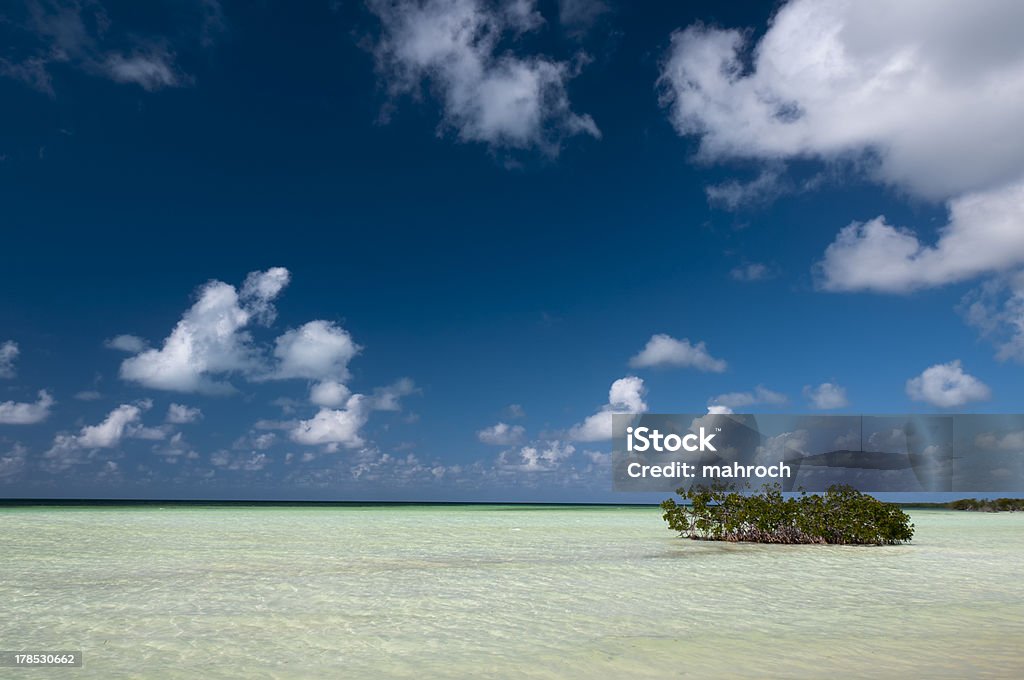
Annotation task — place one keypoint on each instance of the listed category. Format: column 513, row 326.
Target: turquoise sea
column 498, row 592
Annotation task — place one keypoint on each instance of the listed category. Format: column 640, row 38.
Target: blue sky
column 462, row 223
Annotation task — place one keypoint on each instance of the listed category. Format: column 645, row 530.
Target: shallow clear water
column 499, row 591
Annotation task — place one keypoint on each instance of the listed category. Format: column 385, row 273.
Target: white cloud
column 946, row 386
column 501, row 434
column 536, row 458
column 124, row 421
column 334, row 427
column 8, row 353
column 735, row 400
column 937, row 107
column 179, row 414
column 718, row 409
column 151, row 70
column 625, row 396
column 754, row 271
column 132, row 344
column 210, row 340
column 664, row 350
column 260, row 289
column 329, row 393
column 826, row 396
column 88, row 395
column 983, row 234
column 318, row 350
column 462, row 51
column 26, row 413
column 906, row 94
column 109, row 433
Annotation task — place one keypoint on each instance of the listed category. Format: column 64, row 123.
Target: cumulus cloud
column 462, row 50
column 212, row 342
column 329, row 393
column 729, row 402
column 209, row 341
column 109, row 433
column 26, row 413
column 663, row 351
column 260, row 289
column 317, row 350
column 8, row 353
column 179, row 414
column 937, row 107
column 122, row 422
column 501, row 434
column 625, row 396
column 983, row 235
column 947, row 386
column 914, row 100
column 826, row 396
column 334, row 427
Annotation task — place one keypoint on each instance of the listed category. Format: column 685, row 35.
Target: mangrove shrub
column 842, row 515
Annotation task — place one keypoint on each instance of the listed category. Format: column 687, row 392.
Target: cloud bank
column 916, row 102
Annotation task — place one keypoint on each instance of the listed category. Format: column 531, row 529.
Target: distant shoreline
column 114, row 502
column 962, row 505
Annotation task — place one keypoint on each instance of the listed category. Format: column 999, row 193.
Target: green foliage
column 842, row 515
column 989, row 505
